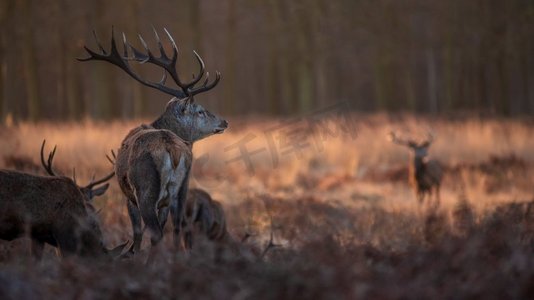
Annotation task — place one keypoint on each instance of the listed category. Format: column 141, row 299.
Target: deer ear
column 101, row 190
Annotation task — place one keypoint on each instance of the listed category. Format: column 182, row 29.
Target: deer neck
column 169, row 123
column 418, row 164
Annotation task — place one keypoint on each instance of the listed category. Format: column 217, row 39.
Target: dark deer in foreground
column 52, row 210
column 204, row 217
column 425, row 174
column 154, row 160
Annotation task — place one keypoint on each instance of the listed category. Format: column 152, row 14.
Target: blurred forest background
column 277, row 57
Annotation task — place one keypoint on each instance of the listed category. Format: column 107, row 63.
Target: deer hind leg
column 152, row 223
column 179, row 196
column 135, row 218
column 146, row 182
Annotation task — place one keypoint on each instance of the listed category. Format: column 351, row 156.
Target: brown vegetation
column 353, row 236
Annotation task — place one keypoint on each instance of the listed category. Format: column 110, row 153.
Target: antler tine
column 395, row 139
column 122, row 62
column 125, row 46
column 160, row 46
column 112, row 161
column 48, row 166
column 145, row 45
column 206, row 87
column 429, row 140
column 197, row 78
column 98, row 43
column 392, row 136
column 94, row 183
column 430, row 135
column 174, row 47
column 163, row 79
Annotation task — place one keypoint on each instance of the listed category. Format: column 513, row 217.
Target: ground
column 333, row 194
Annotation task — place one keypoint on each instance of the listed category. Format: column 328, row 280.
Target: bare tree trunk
column 284, row 59
column 62, row 54
column 5, row 9
column 231, row 58
column 29, row 62
column 103, row 83
column 137, row 91
column 305, row 58
column 379, row 79
column 432, row 81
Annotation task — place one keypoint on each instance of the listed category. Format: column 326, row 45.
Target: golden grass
column 331, row 167
column 342, row 210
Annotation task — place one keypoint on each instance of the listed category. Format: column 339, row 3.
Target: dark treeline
column 276, row 56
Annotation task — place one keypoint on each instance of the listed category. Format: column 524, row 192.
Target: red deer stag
column 154, row 160
column 425, row 174
column 52, row 210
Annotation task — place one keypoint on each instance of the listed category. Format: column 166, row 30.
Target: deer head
column 91, row 190
column 183, row 116
column 420, row 150
column 90, row 235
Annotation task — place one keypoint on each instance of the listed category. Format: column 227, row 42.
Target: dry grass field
column 335, row 198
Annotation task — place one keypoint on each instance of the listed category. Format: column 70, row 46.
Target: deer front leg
column 152, row 223
column 145, row 179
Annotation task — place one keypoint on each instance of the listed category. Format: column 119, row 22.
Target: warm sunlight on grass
column 338, row 196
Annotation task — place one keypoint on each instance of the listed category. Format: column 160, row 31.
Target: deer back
column 165, row 149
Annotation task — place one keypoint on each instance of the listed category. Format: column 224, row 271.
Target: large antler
column 429, row 139
column 94, row 182
column 48, row 166
column 164, row 61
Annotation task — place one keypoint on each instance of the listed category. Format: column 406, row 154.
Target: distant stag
column 425, row 174
column 154, row 160
column 52, row 210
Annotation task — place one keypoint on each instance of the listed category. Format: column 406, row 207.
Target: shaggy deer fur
column 52, row 210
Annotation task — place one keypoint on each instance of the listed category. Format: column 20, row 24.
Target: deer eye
column 201, row 113
column 183, row 110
